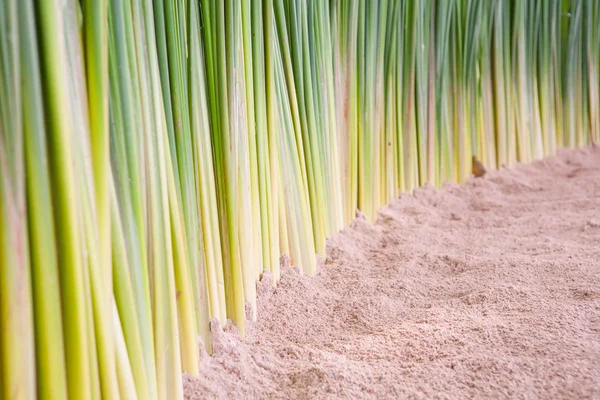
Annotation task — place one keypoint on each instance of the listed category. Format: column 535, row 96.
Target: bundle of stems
column 157, row 157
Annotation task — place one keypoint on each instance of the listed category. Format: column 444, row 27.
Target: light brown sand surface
column 486, row 290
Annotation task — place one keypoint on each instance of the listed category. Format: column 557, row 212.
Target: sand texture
column 485, row 290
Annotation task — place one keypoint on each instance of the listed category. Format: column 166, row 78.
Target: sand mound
column 489, row 290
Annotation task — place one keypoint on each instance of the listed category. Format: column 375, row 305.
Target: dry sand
column 486, row 290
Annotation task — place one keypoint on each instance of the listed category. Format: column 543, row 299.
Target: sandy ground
column 486, row 290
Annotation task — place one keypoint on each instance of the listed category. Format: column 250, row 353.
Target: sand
column 486, row 290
